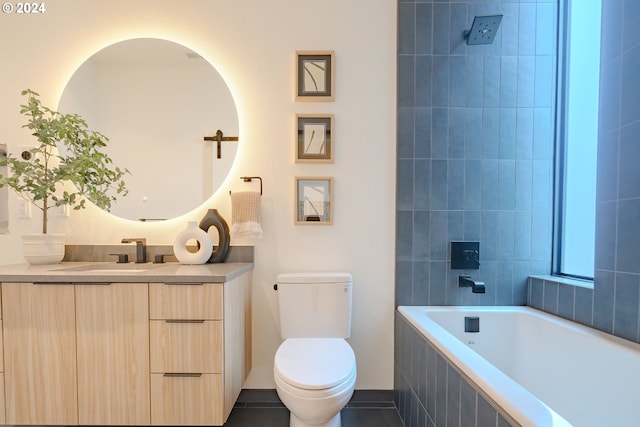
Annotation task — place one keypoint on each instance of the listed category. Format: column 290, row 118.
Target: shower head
column 483, row 30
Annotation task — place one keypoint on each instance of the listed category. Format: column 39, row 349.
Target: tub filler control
column 472, row 324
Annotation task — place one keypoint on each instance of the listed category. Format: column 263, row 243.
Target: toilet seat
column 315, row 364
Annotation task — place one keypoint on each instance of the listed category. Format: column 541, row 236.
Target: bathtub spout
column 476, row 286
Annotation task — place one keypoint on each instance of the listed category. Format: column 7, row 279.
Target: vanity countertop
column 111, row 272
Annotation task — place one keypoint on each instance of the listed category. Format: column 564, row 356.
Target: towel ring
column 249, row 179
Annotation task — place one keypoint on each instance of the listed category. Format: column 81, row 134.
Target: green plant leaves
column 68, row 151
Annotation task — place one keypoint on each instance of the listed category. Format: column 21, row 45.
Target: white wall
column 252, row 44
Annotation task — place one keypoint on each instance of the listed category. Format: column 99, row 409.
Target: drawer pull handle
column 181, row 374
column 52, row 283
column 93, row 283
column 183, row 321
column 185, row 283
column 72, row 283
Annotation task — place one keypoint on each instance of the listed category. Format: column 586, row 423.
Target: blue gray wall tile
column 617, row 275
column 475, row 161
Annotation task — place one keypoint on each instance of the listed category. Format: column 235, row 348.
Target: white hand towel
column 245, row 215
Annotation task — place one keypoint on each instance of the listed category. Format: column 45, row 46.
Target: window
column 577, row 137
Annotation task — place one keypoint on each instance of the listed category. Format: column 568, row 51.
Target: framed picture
column 314, row 71
column 314, row 200
column 314, row 138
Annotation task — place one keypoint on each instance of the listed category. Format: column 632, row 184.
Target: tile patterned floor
column 262, row 408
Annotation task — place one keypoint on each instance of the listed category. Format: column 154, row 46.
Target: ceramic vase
column 204, row 246
column 214, row 219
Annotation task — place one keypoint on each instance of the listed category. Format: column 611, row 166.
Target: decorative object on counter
column 204, row 249
column 314, row 71
column 314, row 138
column 245, row 215
column 214, row 219
column 314, row 200
column 68, row 151
column 43, row 248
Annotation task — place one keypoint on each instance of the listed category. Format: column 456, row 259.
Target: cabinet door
column 113, row 353
column 39, row 349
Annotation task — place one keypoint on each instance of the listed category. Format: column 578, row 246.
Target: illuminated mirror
column 156, row 101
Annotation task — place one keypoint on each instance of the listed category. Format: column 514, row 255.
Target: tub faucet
column 467, row 282
column 141, row 248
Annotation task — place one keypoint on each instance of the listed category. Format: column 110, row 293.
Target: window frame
column 560, row 143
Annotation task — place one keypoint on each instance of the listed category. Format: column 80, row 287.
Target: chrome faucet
column 141, row 248
column 467, row 282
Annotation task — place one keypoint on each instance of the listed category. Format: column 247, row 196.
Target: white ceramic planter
column 43, row 248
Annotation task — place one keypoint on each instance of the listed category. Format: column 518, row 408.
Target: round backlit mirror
column 156, row 101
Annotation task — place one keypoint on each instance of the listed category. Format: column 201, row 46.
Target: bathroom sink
column 109, row 268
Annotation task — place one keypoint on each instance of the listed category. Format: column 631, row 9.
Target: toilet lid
column 314, row 363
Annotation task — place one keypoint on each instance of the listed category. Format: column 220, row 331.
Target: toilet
column 314, row 368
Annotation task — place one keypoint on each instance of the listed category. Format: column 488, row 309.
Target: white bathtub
column 542, row 370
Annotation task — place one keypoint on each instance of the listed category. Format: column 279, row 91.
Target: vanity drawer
column 186, row 400
column 185, row 301
column 186, row 346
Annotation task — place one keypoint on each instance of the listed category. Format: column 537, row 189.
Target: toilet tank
column 314, row 305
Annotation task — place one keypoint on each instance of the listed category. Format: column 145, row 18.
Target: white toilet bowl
column 315, row 378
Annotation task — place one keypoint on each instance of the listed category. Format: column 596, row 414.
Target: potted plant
column 67, row 151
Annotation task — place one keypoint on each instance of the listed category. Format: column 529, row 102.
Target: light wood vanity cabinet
column 124, row 353
column 198, row 359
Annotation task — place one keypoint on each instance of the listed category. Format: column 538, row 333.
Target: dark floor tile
column 279, row 417
column 372, row 396
column 356, row 417
column 367, row 408
column 373, row 404
column 258, row 395
column 263, row 417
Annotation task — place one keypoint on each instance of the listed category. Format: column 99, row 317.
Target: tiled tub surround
column 610, row 306
column 522, row 356
column 474, row 148
column 426, row 210
column 430, row 391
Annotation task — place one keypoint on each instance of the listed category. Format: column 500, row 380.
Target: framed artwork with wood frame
column 314, row 75
column 313, row 200
column 314, row 138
